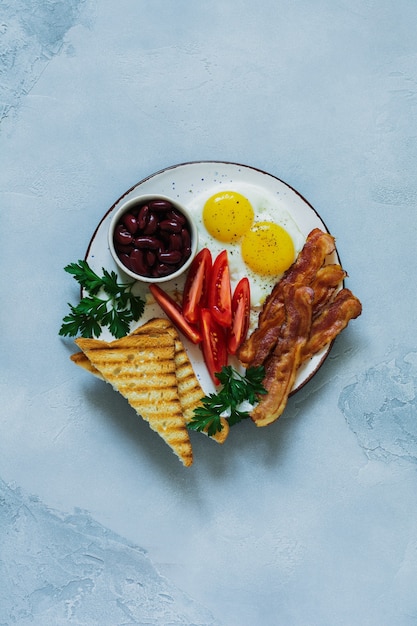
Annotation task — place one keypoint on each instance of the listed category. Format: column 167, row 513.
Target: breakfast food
column 255, row 228
column 209, row 315
column 305, row 311
column 304, row 270
column 151, row 369
column 227, row 216
column 153, row 238
column 142, row 368
column 259, row 300
column 303, row 314
column 283, row 362
column 330, row 321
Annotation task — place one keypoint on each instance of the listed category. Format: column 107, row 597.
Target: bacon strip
column 331, row 321
column 304, row 271
column 281, row 367
column 305, row 312
column 326, row 282
column 317, row 247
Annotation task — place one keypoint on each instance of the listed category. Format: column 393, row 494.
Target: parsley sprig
column 108, row 303
column 227, row 402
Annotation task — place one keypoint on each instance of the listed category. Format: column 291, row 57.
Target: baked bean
column 153, row 239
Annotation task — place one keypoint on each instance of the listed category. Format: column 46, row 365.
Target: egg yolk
column 267, row 249
column 227, row 216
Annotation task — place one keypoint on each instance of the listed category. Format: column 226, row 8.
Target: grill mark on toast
column 187, row 385
column 142, row 368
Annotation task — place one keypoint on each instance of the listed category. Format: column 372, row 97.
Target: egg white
column 266, row 208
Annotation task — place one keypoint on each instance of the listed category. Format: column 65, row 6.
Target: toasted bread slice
column 190, row 391
column 142, row 368
column 189, row 388
column 81, row 359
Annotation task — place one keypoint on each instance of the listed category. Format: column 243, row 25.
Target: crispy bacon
column 327, row 280
column 305, row 311
column 324, row 285
column 331, row 321
column 303, row 271
column 317, row 247
column 282, row 365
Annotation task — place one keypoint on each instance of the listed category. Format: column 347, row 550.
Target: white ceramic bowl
column 159, row 237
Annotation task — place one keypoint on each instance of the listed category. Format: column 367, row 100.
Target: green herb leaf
column 207, row 416
column 115, row 309
column 85, row 276
column 236, row 389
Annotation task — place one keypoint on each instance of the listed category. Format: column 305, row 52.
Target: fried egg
column 227, row 216
column 260, row 236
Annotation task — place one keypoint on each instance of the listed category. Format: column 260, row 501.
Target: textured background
column 312, row 521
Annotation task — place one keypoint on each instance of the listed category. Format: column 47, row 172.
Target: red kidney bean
column 186, row 238
column 152, row 224
column 160, row 205
column 151, row 243
column 153, row 239
column 177, row 217
column 129, row 220
column 150, row 257
column 123, row 249
column 170, row 226
column 162, row 270
column 122, row 235
column 125, row 259
column 175, row 242
column 143, row 216
column 137, row 262
column 164, row 236
column 171, row 258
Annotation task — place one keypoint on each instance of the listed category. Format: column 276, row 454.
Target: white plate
column 186, row 182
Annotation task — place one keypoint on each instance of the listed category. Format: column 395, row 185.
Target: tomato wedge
column 220, row 291
column 240, row 316
column 174, row 312
column 213, row 344
column 195, row 288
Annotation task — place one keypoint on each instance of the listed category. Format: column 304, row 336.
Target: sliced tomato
column 240, row 316
column 174, row 312
column 196, row 286
column 220, row 291
column 213, row 344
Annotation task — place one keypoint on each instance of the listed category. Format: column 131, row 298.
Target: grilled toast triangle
column 189, row 388
column 141, row 367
